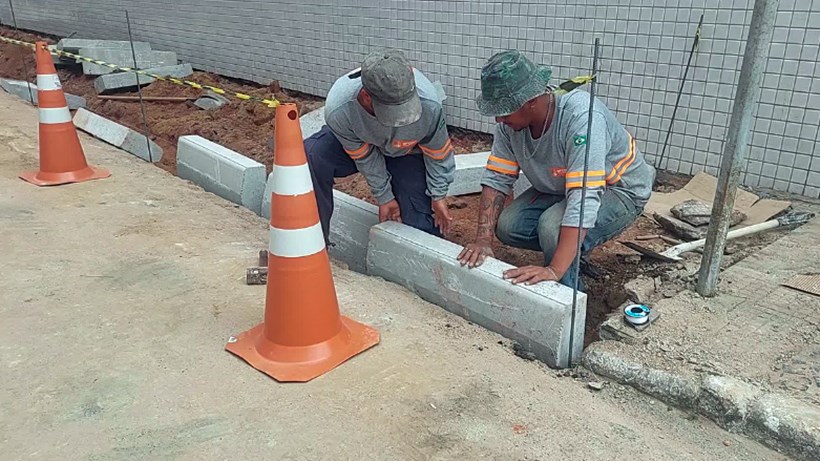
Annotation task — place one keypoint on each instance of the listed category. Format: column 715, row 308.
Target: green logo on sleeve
column 580, row 140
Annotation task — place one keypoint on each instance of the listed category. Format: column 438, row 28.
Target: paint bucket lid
column 637, row 314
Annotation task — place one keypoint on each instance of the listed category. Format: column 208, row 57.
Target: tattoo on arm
column 492, row 202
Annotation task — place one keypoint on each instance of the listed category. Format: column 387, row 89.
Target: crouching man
column 546, row 137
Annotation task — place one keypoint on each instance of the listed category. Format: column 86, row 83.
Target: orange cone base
column 301, row 364
column 41, row 178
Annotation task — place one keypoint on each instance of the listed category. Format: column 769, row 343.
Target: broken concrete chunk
column 640, row 290
column 683, row 230
column 699, row 213
column 211, row 100
column 120, row 81
column 19, row 89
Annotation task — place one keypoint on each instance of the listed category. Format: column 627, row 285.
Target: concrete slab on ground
column 538, row 316
column 222, row 171
column 350, row 230
column 122, row 81
column 124, row 58
column 21, row 90
column 118, row 135
column 117, row 298
column 755, row 331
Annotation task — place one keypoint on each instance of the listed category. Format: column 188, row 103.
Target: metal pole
column 576, row 266
column 23, row 56
column 139, row 89
column 680, row 91
column 737, row 141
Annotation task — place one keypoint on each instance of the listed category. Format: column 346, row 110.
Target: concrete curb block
column 117, row 135
column 221, row 171
column 470, row 169
column 18, row 88
column 312, row 122
column 538, row 316
column 783, row 423
column 110, row 83
column 74, row 45
column 350, row 230
column 124, row 58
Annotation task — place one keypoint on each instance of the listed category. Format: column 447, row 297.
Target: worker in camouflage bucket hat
column 543, row 133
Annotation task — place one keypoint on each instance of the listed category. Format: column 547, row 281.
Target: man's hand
column 390, row 211
column 441, row 215
column 530, row 275
column 474, row 254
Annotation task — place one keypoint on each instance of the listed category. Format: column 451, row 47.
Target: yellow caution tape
column 272, row 103
column 563, row 88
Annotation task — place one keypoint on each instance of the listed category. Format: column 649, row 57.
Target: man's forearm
column 567, row 249
column 492, row 202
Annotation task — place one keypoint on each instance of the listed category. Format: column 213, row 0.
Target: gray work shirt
column 557, row 165
column 367, row 141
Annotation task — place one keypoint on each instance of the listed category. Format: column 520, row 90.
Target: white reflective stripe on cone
column 54, row 116
column 291, row 180
column 48, row 82
column 294, row 243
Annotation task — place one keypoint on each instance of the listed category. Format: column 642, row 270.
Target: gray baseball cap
column 389, row 79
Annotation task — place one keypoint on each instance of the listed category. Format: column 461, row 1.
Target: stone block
column 119, row 81
column 123, row 58
column 19, row 89
column 74, row 45
column 117, row 135
column 350, row 230
column 221, row 171
column 469, row 170
column 538, row 317
column 211, row 100
column 312, row 122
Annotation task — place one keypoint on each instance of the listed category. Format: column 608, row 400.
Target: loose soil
column 247, row 127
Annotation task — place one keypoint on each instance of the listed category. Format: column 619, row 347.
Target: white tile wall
column 306, row 44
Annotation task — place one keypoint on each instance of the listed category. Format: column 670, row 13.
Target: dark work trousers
column 328, row 160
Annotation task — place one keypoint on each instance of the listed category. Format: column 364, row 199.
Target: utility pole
column 737, row 141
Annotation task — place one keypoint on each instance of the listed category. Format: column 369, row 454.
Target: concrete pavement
column 117, row 297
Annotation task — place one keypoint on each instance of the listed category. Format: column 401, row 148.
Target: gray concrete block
column 74, row 45
column 350, row 230
column 312, row 122
column 538, row 316
column 59, row 61
column 19, row 89
column 221, row 171
column 119, row 81
column 211, row 100
column 470, row 169
column 117, row 135
column 124, row 58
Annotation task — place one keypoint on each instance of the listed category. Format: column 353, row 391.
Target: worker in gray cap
column 385, row 120
column 546, row 136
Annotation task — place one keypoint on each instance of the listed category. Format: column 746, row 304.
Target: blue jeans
column 328, row 160
column 533, row 222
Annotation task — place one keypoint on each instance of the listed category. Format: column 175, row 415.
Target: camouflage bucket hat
column 508, row 81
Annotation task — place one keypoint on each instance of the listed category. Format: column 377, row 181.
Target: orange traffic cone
column 62, row 159
column 303, row 336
